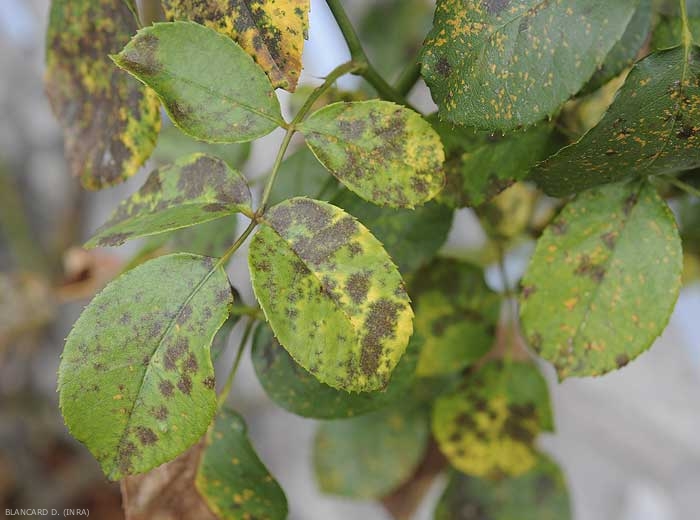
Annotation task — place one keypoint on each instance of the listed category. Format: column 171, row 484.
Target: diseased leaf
column 110, row 121
column 650, row 129
column 387, row 154
column 194, row 190
column 301, row 174
column 498, row 65
column 369, row 456
column 136, row 379
column 271, row 31
column 298, row 391
column 487, row 428
column 480, row 164
column 411, row 237
column 456, row 315
column 232, row 480
column 539, row 494
column 603, row 280
column 211, row 89
column 332, row 295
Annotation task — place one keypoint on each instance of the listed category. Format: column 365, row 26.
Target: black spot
column 380, row 323
column 160, row 413
column 209, row 382
column 140, row 57
column 185, row 385
column 357, row 287
column 146, row 435
column 495, row 6
column 609, row 239
column 621, row 360
column 443, row 67
column 686, row 132
column 166, row 388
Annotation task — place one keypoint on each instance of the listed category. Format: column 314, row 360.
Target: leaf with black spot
column 111, row 122
column 271, row 31
column 136, row 379
column 387, row 154
column 370, row 456
column 488, row 426
column 499, row 65
column 539, row 494
column 196, row 189
column 650, row 129
column 603, row 280
column 211, row 89
column 331, row 294
column 232, row 479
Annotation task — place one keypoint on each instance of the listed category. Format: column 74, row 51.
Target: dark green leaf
column 136, row 379
column 209, row 239
column 387, row 154
column 456, row 315
column 650, row 129
column 110, row 121
column 497, row 65
column 210, row 87
column 603, row 280
column 194, row 190
column 487, row 428
column 369, row 456
column 539, row 494
column 299, row 392
column 302, row 175
column 668, row 31
column 232, row 480
column 331, row 293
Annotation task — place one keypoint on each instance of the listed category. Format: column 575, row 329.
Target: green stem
column 275, row 169
column 237, row 244
column 340, row 70
column 236, row 362
column 687, row 36
column 684, row 186
column 131, row 5
column 408, row 79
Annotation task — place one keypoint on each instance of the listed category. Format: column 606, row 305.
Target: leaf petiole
column 236, row 362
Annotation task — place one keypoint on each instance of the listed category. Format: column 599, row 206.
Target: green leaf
column 650, row 129
column 498, row 65
column 212, row 238
column 332, row 295
column 301, row 174
column 603, row 280
column 232, row 480
column 480, row 165
column 668, row 31
column 487, row 428
column 110, row 121
column 539, row 494
column 136, row 380
column 298, row 391
column 387, row 154
column 271, row 31
column 195, row 189
column 411, row 237
column 211, row 89
column 370, row 456
column 456, row 315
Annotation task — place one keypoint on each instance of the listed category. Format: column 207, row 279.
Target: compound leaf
column 498, row 65
column 539, row 494
column 650, row 129
column 136, row 379
column 387, row 154
column 194, row 190
column 369, row 456
column 210, row 87
column 111, row 122
column 232, row 479
column 271, row 31
column 603, row 280
column 488, row 426
column 331, row 293
column 456, row 315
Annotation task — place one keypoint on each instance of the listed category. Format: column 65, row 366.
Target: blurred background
column 627, row 442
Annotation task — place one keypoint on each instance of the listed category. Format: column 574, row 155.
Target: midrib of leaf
column 249, row 11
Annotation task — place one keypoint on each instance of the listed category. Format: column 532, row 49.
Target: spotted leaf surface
column 499, row 64
column 479, row 165
column 210, row 87
column 136, row 379
column 195, row 189
column 387, row 154
column 369, row 456
column 232, row 480
column 332, row 295
column 271, row 31
column 487, row 428
column 299, row 392
column 110, row 121
column 411, row 237
column 539, row 494
column 603, row 280
column 456, row 315
column 650, row 129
